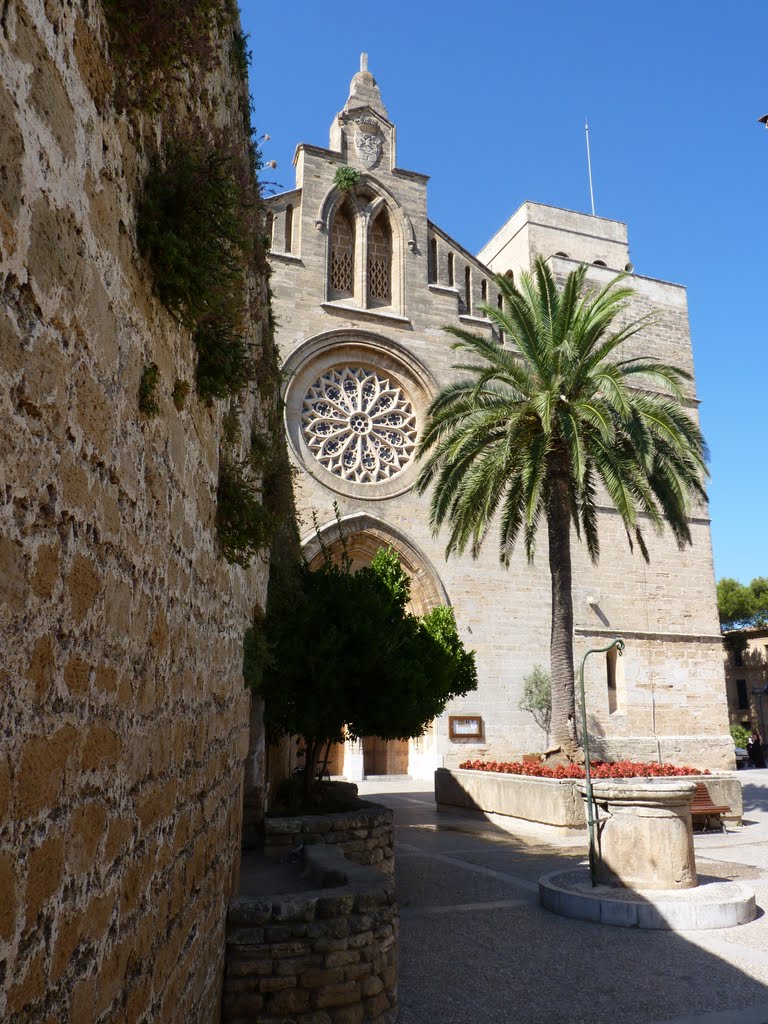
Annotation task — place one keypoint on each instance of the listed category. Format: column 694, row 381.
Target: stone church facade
column 363, row 285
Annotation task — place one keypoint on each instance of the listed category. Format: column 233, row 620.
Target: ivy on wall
column 154, row 41
column 193, row 229
column 200, row 227
column 148, row 403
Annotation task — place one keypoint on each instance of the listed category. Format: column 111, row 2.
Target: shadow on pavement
column 476, row 947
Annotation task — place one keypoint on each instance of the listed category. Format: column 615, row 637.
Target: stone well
column 645, row 871
column 644, row 833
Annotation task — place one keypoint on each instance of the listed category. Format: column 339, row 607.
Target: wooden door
column 384, row 757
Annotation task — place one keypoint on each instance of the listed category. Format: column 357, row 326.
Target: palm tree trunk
column 563, row 726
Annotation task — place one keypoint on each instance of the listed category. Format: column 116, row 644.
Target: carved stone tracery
column 360, row 426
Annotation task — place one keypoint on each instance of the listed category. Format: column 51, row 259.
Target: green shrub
column 153, row 41
column 150, row 377
column 224, row 360
column 255, row 653
column 194, row 229
column 240, row 55
column 191, row 230
column 180, row 393
column 346, row 178
column 740, row 735
column 231, row 429
column 537, row 697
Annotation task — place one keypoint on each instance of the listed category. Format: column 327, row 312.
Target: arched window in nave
column 343, row 253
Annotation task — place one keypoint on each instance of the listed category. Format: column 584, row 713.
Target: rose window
column 358, row 425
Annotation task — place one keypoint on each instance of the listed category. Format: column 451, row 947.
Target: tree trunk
column 563, row 725
column 310, row 768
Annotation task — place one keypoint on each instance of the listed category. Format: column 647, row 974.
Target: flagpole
column 589, row 167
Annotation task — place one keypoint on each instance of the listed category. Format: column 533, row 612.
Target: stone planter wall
column 364, row 835
column 553, row 802
column 327, row 956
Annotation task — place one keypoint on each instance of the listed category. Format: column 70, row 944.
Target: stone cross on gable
column 363, row 61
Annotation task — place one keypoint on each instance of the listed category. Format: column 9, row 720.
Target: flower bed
column 524, row 791
column 599, row 769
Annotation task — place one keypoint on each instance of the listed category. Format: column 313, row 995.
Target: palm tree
column 535, row 426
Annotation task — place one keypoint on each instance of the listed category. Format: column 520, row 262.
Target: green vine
column 180, row 393
column 346, row 178
column 231, row 430
column 154, row 41
column 194, row 227
column 239, row 53
column 255, row 653
column 148, row 403
column 245, row 527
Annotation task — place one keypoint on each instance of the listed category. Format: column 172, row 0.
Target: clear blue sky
column 490, row 100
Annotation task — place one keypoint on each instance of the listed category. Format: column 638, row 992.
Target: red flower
column 599, row 769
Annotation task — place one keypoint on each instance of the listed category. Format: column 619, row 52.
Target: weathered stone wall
column 327, row 956
column 745, row 659
column 123, row 719
column 364, row 835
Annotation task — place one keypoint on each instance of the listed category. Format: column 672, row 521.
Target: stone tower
column 363, row 285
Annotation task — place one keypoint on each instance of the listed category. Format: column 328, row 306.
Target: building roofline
column 470, row 257
column 550, row 206
column 282, row 195
column 322, row 151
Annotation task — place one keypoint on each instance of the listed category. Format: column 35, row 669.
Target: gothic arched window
column 433, row 261
column 450, row 269
column 484, row 290
column 380, row 261
column 343, row 253
column 288, row 228
column 468, row 289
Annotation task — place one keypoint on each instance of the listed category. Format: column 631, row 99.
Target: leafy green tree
column 740, row 735
column 533, row 427
column 741, row 606
column 537, row 697
column 343, row 652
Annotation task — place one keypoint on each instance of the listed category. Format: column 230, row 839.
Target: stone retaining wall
column 553, row 802
column 327, row 956
column 365, row 835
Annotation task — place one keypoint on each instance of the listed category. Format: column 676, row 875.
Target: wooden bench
column 702, row 807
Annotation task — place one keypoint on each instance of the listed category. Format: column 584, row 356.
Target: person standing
column 755, row 750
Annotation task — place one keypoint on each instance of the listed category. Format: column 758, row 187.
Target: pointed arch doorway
column 364, row 535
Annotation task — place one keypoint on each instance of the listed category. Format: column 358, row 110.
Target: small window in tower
column 288, row 228
column 380, row 261
column 468, row 289
column 599, row 263
column 450, row 269
column 564, row 255
column 484, row 290
column 343, row 253
column 510, row 276
column 432, row 269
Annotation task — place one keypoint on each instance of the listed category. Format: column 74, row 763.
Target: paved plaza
column 476, row 948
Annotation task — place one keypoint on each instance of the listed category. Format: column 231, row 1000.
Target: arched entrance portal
column 364, row 535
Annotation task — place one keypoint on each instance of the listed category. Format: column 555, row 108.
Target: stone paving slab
column 476, row 947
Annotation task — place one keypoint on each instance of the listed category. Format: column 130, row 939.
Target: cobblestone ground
column 476, row 948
